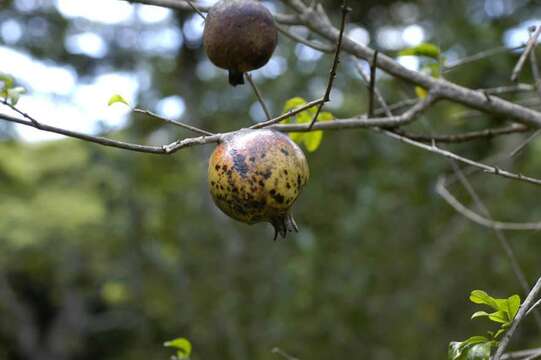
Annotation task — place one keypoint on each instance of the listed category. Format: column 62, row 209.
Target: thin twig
column 525, row 143
column 531, row 43
column 385, row 109
column 166, row 149
column 535, row 71
column 332, row 75
column 518, row 318
column 283, row 354
column 176, row 123
column 312, row 44
column 480, row 56
column 486, row 168
column 372, row 84
column 532, row 308
column 259, row 96
column 521, row 354
column 288, row 114
column 442, row 191
column 35, row 123
column 465, row 137
column 196, row 9
column 500, row 90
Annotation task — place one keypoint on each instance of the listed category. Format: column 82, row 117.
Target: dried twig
column 479, row 56
column 176, row 123
column 523, row 354
column 535, row 72
column 196, row 9
column 372, row 84
column 465, row 137
column 529, row 47
column 442, row 190
column 259, row 96
column 287, row 115
column 312, row 44
column 283, row 354
column 332, row 75
column 165, row 149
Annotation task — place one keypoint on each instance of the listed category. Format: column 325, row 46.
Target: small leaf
column 117, row 99
column 293, row 104
column 7, row 81
column 481, row 297
column 474, row 340
column 455, row 350
column 14, row 94
column 499, row 317
column 499, row 333
column 182, row 345
column 479, row 351
column 312, row 140
column 426, row 49
column 325, row 116
column 421, row 92
column 513, row 303
column 479, row 314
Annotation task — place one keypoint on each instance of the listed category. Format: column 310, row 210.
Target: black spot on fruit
column 239, row 36
column 240, row 165
column 248, row 195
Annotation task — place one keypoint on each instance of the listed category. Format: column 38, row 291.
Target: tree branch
column 165, row 149
column 316, row 20
column 516, row 322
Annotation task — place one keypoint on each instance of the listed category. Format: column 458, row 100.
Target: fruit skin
column 239, row 36
column 256, row 176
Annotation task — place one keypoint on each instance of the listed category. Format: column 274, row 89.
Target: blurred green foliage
column 104, row 254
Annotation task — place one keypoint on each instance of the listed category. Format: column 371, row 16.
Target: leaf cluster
column 480, row 347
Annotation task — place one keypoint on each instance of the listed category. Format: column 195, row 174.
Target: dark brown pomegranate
column 256, row 176
column 239, row 36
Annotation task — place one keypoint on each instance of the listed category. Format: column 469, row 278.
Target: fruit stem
column 236, row 77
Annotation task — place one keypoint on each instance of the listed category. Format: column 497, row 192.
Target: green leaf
column 499, row 317
column 325, row 116
column 14, row 94
column 513, row 303
column 7, row 81
column 311, row 140
column 455, row 350
column 499, row 333
column 481, row 297
column 182, row 345
column 479, row 351
column 426, row 49
column 117, row 99
column 301, row 118
column 293, row 104
column 475, row 340
column 421, row 92
column 479, row 314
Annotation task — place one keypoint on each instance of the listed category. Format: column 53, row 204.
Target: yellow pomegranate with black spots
column 256, row 176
